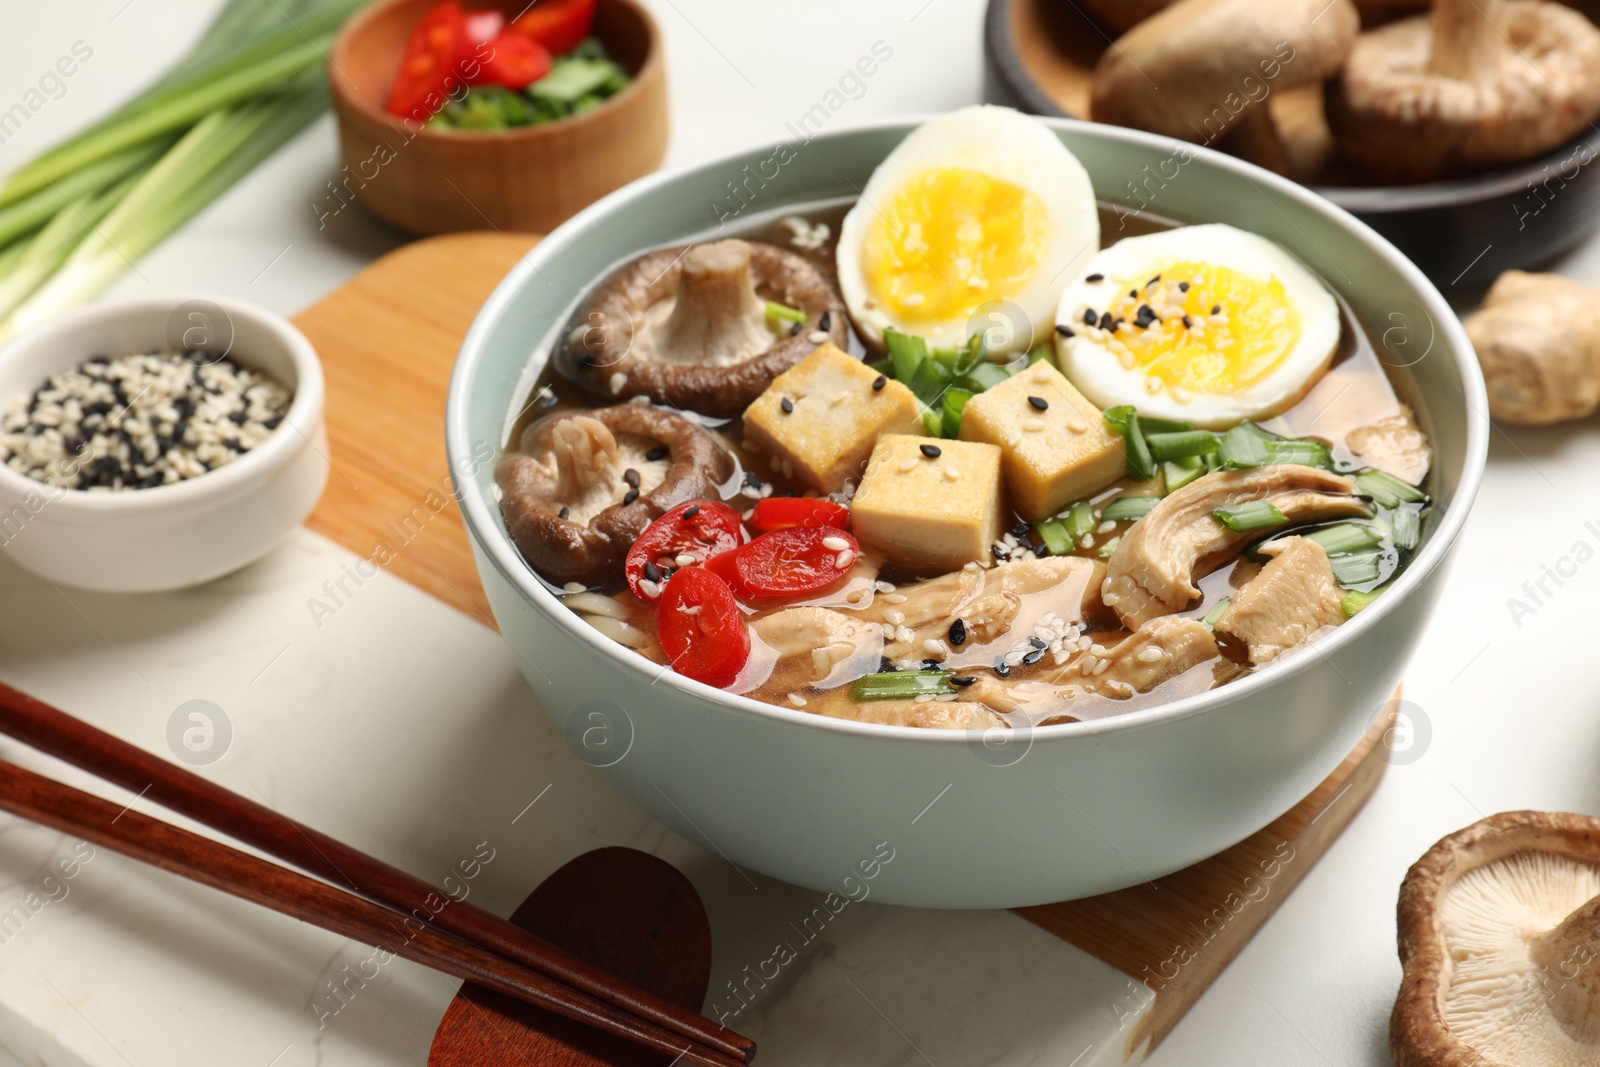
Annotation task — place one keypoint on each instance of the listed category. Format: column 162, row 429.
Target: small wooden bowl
column 531, row 178
column 1039, row 57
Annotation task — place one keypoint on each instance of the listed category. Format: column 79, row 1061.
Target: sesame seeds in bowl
column 131, row 464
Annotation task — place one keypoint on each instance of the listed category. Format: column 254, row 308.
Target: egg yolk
column 951, row 240
column 1240, row 328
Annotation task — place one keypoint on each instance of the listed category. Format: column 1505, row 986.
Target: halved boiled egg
column 971, row 224
column 1208, row 324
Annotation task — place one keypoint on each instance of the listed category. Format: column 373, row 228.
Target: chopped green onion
column 1079, row 519
column 1357, row 568
column 1129, row 507
column 933, row 423
column 881, row 366
column 1244, row 446
column 1355, row 600
column 1387, row 490
column 955, row 401
column 1053, row 532
column 969, row 357
column 1407, row 529
column 1039, row 353
column 784, row 313
column 1141, row 467
column 984, row 376
column 1302, row 451
column 929, row 381
column 906, row 353
column 572, row 79
column 1180, row 472
column 1253, row 515
column 1151, row 424
column 1345, row 537
column 1105, row 550
column 1216, row 611
column 893, row 685
column 1181, row 444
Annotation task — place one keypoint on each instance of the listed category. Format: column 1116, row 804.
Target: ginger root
column 1538, row 341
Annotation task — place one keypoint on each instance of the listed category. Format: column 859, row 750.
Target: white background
column 1512, row 710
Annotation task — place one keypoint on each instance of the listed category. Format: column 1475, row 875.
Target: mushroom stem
column 717, row 316
column 1467, row 40
column 1568, row 954
column 585, row 450
column 1255, row 138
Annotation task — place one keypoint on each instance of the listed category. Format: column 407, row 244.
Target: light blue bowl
column 973, row 820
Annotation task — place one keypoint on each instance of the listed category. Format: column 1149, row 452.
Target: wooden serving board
column 388, row 340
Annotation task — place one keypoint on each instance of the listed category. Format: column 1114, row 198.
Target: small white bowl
column 178, row 535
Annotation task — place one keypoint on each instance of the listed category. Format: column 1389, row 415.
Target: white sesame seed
column 952, row 473
column 650, row 589
column 1151, row 654
column 934, row 647
column 844, row 559
column 618, row 380
column 797, row 700
column 835, row 544
column 1107, row 526
column 893, row 598
column 1033, row 425
column 884, row 587
column 818, row 337
column 1086, row 541
column 683, row 559
column 1100, row 668
column 908, row 463
column 1090, row 662
column 575, row 587
column 896, row 617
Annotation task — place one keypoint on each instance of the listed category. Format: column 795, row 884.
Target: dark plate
column 1462, row 232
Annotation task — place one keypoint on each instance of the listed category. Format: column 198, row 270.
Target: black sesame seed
column 659, row 452
column 1187, row 322
column 1020, row 529
column 1152, row 281
column 1033, row 657
column 879, row 382
column 794, row 331
column 1183, row 287
column 1105, row 320
column 630, row 496
column 962, row 680
column 238, row 417
column 1116, row 324
column 787, row 405
column 930, row 664
column 958, row 632
column 999, row 553
column 631, row 476
column 1064, row 330
column 564, row 513
column 1216, row 309
column 751, row 480
column 1146, row 317
column 1001, row 667
column 1037, row 643
column 1090, row 318
column 885, row 666
column 691, row 511
column 1039, row 403
column 826, row 322
column 932, row 451
column 651, row 571
column 1095, row 278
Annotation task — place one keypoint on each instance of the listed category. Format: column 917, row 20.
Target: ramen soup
column 965, row 453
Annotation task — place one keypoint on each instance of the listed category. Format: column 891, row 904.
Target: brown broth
column 1357, row 390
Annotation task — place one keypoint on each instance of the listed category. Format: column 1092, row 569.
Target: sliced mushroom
column 1538, row 339
column 1476, row 83
column 1203, row 69
column 1499, row 929
column 688, row 326
column 1292, row 598
column 985, row 602
column 1153, row 569
column 1393, row 444
column 1124, row 15
column 569, row 494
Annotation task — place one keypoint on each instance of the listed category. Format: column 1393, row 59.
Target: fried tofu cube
column 833, row 419
column 929, row 505
column 1055, row 443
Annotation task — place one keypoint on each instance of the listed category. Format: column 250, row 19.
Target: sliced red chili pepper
column 794, row 562
column 702, row 633
column 699, row 528
column 514, row 61
column 431, row 65
column 782, row 512
column 559, row 25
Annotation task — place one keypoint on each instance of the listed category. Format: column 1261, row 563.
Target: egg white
column 1006, row 145
column 1096, row 369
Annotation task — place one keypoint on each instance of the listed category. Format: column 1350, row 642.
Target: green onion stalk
column 74, row 218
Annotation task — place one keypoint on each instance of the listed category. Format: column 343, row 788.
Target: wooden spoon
column 617, row 908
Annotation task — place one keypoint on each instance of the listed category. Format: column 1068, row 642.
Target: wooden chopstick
column 299, row 896
column 178, row 789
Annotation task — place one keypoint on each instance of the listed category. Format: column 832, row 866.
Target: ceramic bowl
column 973, row 820
column 188, row 532
column 531, row 178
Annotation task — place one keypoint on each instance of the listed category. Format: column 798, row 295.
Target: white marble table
column 1513, row 710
